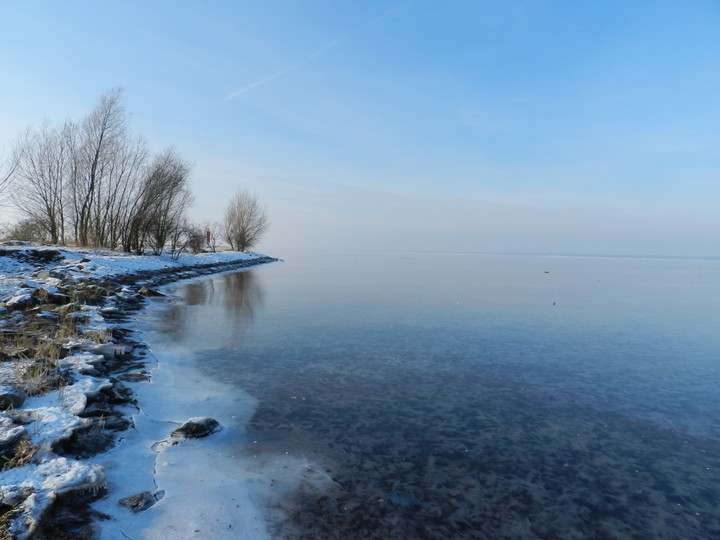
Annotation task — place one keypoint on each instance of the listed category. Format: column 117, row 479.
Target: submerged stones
column 141, row 501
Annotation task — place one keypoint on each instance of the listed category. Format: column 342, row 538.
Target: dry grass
column 24, row 452
column 40, row 376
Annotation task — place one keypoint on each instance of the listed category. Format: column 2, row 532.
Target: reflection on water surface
column 477, row 396
column 239, row 294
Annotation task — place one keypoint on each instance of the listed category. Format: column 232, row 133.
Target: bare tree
column 42, row 159
column 92, row 181
column 245, row 221
column 163, row 199
column 6, row 179
column 104, row 161
column 6, row 173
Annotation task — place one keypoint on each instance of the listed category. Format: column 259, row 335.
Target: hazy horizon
column 527, row 127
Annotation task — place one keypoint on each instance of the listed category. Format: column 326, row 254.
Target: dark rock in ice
column 11, row 397
column 119, row 394
column 195, row 428
column 401, row 497
column 134, row 377
column 97, row 409
column 126, row 297
column 85, row 442
column 141, row 501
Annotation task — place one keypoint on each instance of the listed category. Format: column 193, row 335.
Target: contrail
column 393, row 9
column 284, row 70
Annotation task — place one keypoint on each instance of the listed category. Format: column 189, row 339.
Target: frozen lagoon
column 434, row 395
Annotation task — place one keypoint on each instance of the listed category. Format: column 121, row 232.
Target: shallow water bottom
column 414, row 396
column 477, row 457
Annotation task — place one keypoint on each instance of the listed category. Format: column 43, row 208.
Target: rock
column 119, row 394
column 51, row 296
column 45, row 256
column 116, row 423
column 127, row 297
column 98, row 409
column 149, row 292
column 68, row 308
column 22, row 301
column 195, row 428
column 134, row 377
column 57, row 274
column 11, row 397
column 141, row 501
column 9, row 432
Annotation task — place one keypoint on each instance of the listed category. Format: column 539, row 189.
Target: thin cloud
column 284, row 70
column 395, row 9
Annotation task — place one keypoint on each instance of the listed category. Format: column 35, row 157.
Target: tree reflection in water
column 239, row 293
column 243, row 295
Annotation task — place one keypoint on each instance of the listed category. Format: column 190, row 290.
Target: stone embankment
column 65, row 359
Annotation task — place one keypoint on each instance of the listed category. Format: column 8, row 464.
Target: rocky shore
column 67, row 361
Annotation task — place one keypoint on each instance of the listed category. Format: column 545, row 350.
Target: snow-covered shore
column 67, row 362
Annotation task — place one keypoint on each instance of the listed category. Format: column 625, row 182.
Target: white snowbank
column 100, row 263
column 45, row 481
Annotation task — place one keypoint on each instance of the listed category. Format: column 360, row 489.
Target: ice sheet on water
column 207, row 489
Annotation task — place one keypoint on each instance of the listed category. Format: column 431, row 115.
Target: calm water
column 476, row 396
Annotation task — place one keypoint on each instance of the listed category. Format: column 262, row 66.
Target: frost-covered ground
column 33, row 427
column 98, row 264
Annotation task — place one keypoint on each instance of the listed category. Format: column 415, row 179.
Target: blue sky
column 528, row 126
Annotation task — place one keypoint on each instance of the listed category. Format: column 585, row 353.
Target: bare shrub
column 245, row 221
column 197, row 239
column 27, row 230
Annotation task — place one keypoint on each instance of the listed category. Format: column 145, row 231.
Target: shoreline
column 187, row 488
column 51, row 434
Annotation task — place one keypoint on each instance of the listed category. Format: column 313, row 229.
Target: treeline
column 93, row 183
